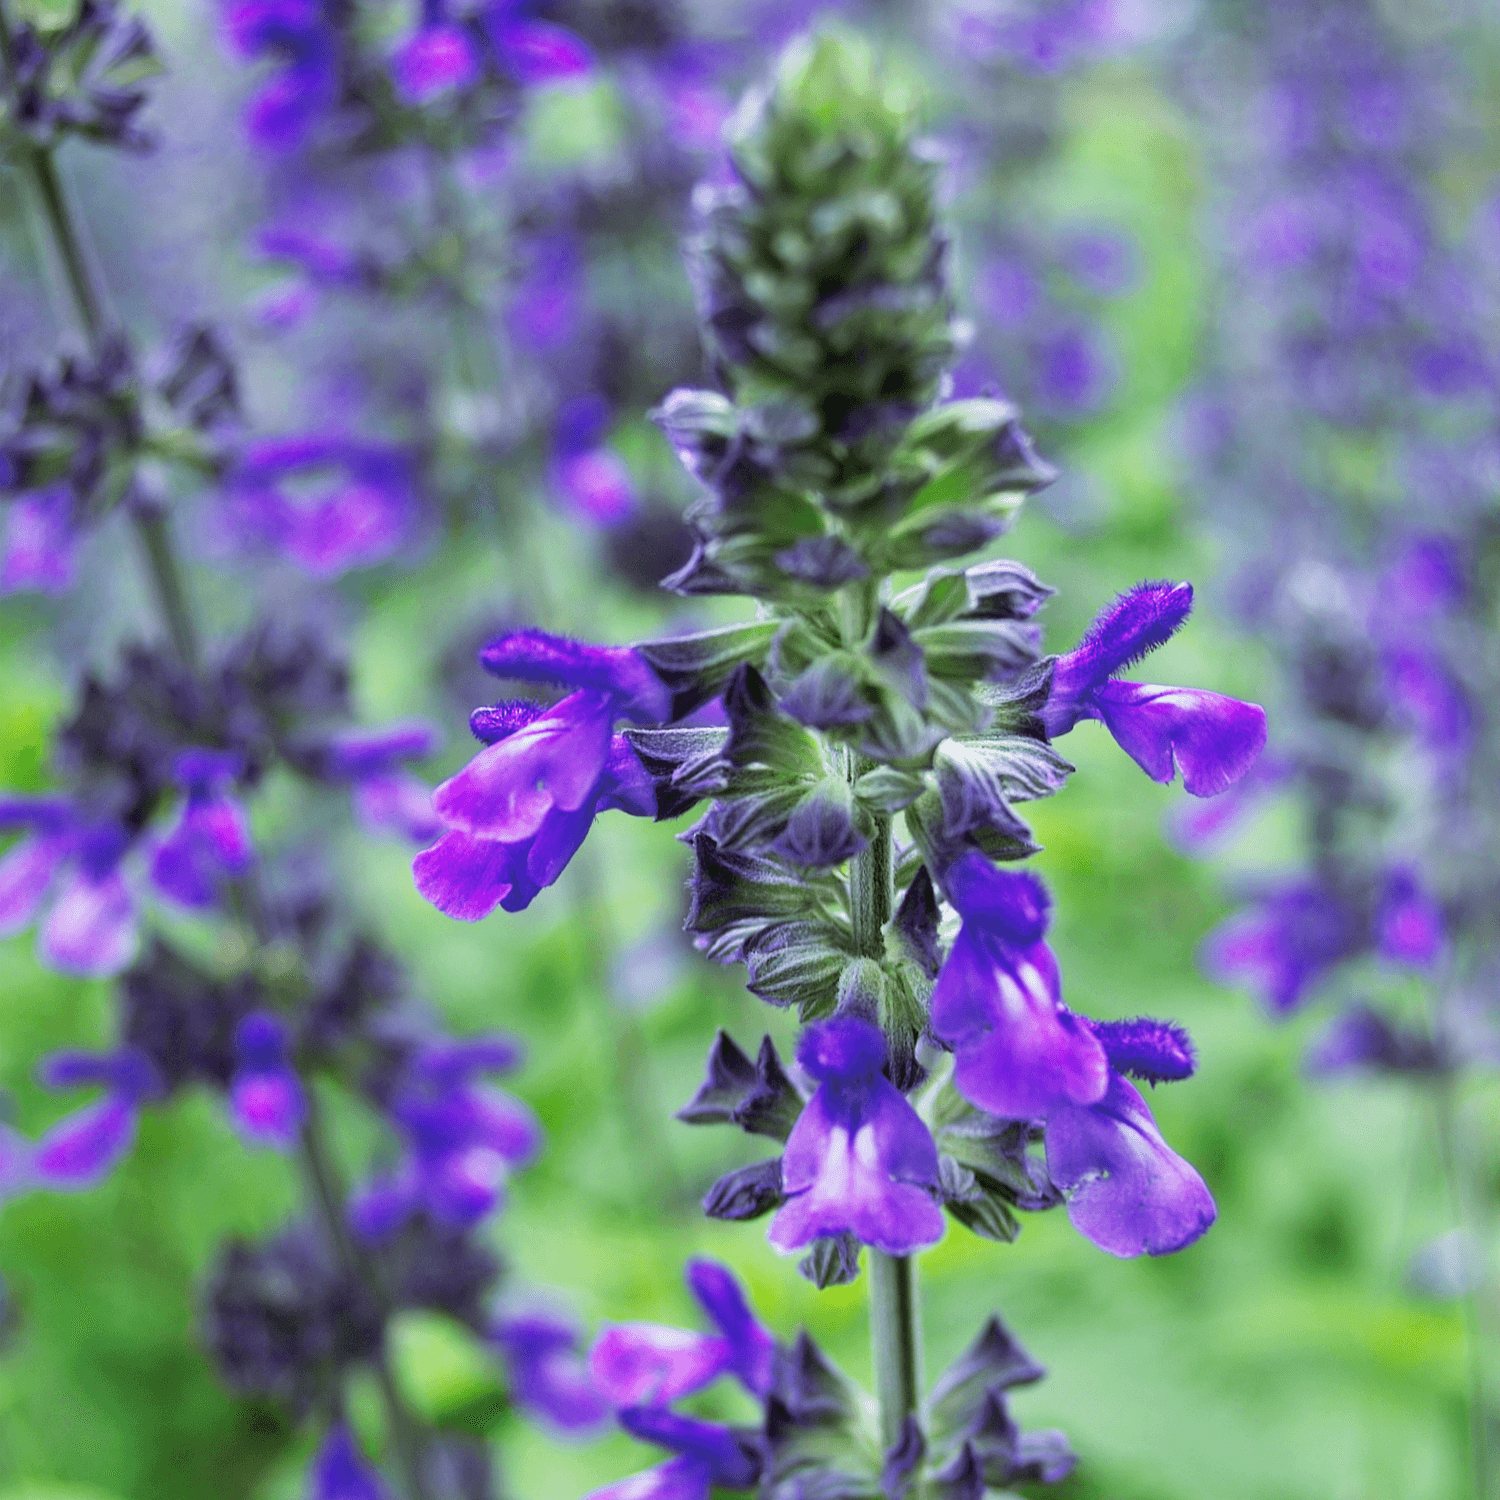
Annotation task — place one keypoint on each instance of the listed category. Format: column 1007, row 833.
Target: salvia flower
column 340, row 1471
column 1019, row 1052
column 40, row 550
column 210, row 842
column 387, row 798
column 329, row 504
column 646, row 1364
column 1215, row 740
column 84, row 1147
column 67, row 872
column 520, row 810
column 1127, row 1191
column 547, row 1375
column 461, row 1138
column 266, row 1098
column 859, row 1159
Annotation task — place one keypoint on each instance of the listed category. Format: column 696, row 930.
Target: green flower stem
column 895, row 1324
column 895, row 1337
column 167, row 581
column 328, row 1196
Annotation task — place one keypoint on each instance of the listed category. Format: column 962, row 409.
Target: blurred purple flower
column 1408, row 922
column 549, row 1378
column 709, row 1456
column 339, row 1470
column 387, row 799
column 266, row 1098
column 439, row 59
column 1283, row 945
column 84, row 1147
column 41, row 543
column 69, row 864
column 210, row 842
column 303, row 46
column 328, row 504
column 461, row 1139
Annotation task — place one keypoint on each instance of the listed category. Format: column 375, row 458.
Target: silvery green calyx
column 857, row 753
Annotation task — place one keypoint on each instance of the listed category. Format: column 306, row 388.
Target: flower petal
column 640, row 1364
column 1127, row 1190
column 91, row 929
column 26, row 873
column 1213, row 738
column 81, row 1149
column 465, row 877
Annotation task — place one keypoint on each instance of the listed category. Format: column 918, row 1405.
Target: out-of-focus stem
column 1479, row 1420
column 87, row 307
column 327, row 1195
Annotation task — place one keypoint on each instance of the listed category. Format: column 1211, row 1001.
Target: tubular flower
column 520, row 810
column 266, row 1100
column 83, row 1148
column 1127, row 1191
column 1019, row 1052
column 70, row 864
column 462, row 1139
column 210, row 842
column 1214, row 739
column 859, row 1159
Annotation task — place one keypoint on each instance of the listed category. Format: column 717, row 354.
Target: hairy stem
column 895, row 1340
column 895, row 1325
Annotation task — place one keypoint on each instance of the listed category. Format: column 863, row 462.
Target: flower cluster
column 814, row 1433
column 936, row 1071
column 1366, row 336
column 254, row 983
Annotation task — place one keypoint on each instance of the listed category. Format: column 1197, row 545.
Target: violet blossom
column 859, row 1160
column 461, row 1139
column 210, row 842
column 1127, row 1191
column 340, row 1472
column 1018, row 1051
column 548, row 1377
column 646, row 1364
column 520, row 810
column 40, row 550
column 387, row 799
column 266, row 1098
column 81, row 1149
column 68, row 864
column 1214, row 739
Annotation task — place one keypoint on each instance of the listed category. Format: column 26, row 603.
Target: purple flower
column 1426, row 697
column 461, row 1139
column 41, row 543
column 437, row 60
column 1283, row 945
column 266, row 1100
column 709, row 1456
column 1408, row 922
column 1214, row 739
column 645, row 1364
column 210, row 842
column 1018, row 1051
column 596, row 486
column 387, row 799
column 1196, row 826
column 520, row 810
column 329, row 504
column 82, row 1148
column 1071, row 371
column 548, row 1377
column 859, row 1159
column 70, row 865
column 297, row 35
column 1126, row 1189
column 339, row 1471
column 535, row 52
